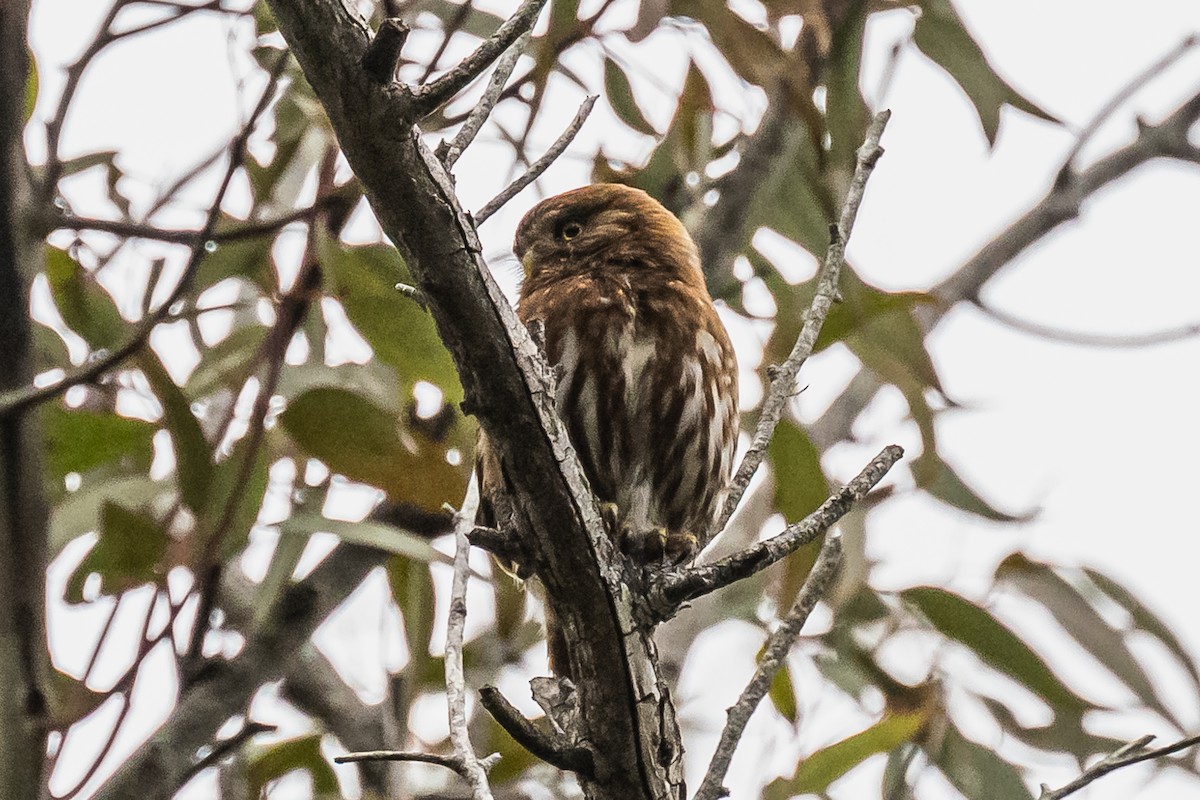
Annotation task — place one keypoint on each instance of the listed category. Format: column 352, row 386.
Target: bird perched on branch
column 647, row 378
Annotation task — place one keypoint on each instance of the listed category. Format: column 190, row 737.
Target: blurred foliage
column 155, row 467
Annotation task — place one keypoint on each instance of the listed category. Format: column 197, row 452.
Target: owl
column 647, row 378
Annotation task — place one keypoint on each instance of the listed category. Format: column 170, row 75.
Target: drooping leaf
column 193, row 455
column 271, row 762
column 128, row 553
column 817, row 771
column 31, row 88
column 938, row 478
column 996, row 645
column 84, row 305
column 70, row 700
column 846, row 114
column 976, row 771
column 620, row 96
column 1145, row 620
column 1064, row 733
column 413, row 593
column 402, row 334
column 234, row 498
column 941, row 35
column 78, row 440
column 1043, row 584
column 800, row 484
column 783, row 694
column 377, row 535
column 226, row 364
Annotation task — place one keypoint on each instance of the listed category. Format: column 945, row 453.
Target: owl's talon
column 610, row 515
column 657, row 547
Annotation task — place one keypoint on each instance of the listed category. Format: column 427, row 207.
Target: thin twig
column 542, row 744
column 450, row 152
column 1126, row 92
column 1088, row 339
column 538, row 167
column 774, row 655
column 456, row 681
column 449, row 762
column 1133, row 753
column 783, row 384
column 226, row 746
column 142, row 230
column 455, row 25
column 669, row 589
column 429, row 97
column 13, row 401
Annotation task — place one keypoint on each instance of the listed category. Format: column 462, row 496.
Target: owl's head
column 605, row 226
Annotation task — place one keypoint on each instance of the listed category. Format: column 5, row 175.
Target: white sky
column 1103, row 441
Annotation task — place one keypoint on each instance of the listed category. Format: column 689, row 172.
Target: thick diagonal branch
column 624, row 711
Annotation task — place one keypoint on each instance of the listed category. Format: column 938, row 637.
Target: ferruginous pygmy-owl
column 647, row 378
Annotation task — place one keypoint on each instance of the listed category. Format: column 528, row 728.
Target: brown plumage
column 647, row 381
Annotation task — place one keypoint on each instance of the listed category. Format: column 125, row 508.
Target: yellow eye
column 570, row 230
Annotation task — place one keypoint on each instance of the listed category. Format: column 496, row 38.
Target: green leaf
column 941, row 35
column 1043, row 584
column 401, row 333
column 996, row 645
column 976, row 771
column 367, row 533
column 234, row 498
column 620, row 96
column 80, row 511
column 818, row 771
column 1145, row 620
column 938, row 478
column 783, row 694
column 1063, row 734
column 193, row 456
column 31, row 88
column 271, row 762
column 225, row 364
column 800, row 485
column 846, row 113
column 245, row 258
column 128, row 553
column 84, row 305
column 287, row 555
column 78, row 440
column 413, row 593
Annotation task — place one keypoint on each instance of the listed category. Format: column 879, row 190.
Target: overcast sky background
column 1103, row 442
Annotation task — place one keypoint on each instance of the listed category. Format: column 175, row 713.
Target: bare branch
column 1167, row 139
column 774, row 655
column 456, row 681
column 13, row 401
column 1126, row 92
column 1133, row 753
column 143, row 230
column 383, row 55
column 226, row 746
column 449, row 153
column 784, row 382
column 432, row 95
column 449, row 762
column 538, row 167
column 670, row 589
column 159, row 766
column 542, row 744
column 1088, row 339
column 720, row 231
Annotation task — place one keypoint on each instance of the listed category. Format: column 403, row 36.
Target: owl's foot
column 658, row 546
column 610, row 515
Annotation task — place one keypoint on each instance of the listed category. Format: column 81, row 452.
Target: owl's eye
column 569, row 230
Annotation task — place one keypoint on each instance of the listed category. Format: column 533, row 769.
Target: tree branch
column 431, row 96
column 449, row 152
column 1087, row 339
column 159, row 767
column 1063, row 202
column 15, row 400
column 456, row 681
column 1133, row 753
column 24, row 659
column 542, row 744
column 668, row 590
column 538, row 167
column 783, row 384
column 625, row 711
column 774, row 655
